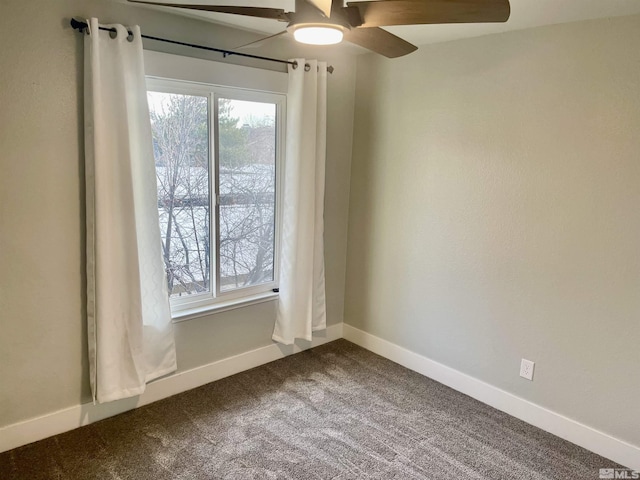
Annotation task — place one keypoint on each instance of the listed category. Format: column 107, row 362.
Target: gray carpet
column 334, row 412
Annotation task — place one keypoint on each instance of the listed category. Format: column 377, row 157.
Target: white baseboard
column 566, row 428
column 35, row 429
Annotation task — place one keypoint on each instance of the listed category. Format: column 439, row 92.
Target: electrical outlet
column 526, row 369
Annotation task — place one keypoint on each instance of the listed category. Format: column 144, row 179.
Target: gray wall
column 495, row 212
column 43, row 358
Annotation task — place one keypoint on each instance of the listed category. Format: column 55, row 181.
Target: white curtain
column 129, row 320
column 301, row 305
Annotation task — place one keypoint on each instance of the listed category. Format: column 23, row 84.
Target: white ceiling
column 524, row 14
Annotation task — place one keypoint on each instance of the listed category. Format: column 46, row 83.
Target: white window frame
column 191, row 306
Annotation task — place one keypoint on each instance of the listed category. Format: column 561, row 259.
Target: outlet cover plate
column 526, row 369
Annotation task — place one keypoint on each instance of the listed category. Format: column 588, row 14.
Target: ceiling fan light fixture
column 318, row 33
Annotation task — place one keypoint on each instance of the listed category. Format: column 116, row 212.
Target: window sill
column 218, row 307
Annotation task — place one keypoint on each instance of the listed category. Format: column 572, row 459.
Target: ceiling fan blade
column 272, row 13
column 379, row 41
column 417, row 12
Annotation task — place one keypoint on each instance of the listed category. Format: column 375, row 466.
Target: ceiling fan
column 325, row 22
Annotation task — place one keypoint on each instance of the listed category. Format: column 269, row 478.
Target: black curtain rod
column 80, row 26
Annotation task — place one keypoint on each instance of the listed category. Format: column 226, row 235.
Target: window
column 217, row 154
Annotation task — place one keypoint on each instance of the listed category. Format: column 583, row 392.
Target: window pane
column 181, row 147
column 247, row 176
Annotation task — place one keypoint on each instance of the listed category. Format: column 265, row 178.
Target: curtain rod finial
column 78, row 25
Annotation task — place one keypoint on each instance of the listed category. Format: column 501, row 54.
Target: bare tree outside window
column 246, row 171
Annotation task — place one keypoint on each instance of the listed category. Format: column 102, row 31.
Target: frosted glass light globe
column 318, row 34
